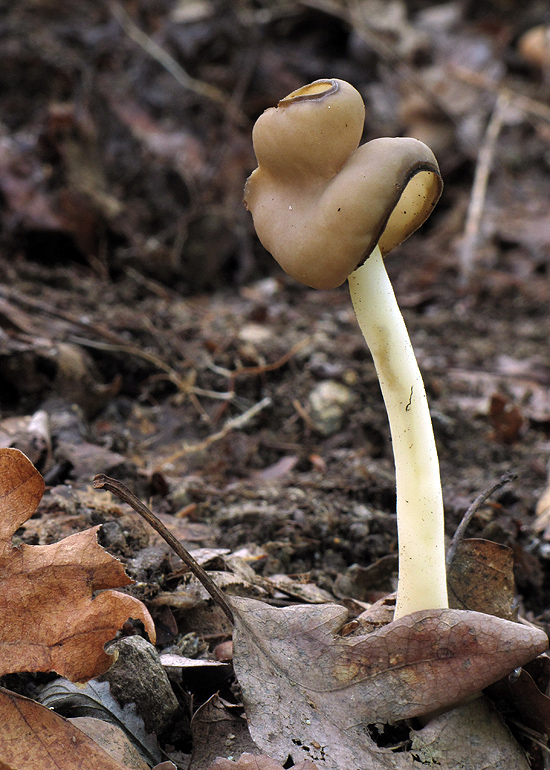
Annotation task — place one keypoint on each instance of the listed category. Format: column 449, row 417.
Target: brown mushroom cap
column 320, row 203
column 534, row 46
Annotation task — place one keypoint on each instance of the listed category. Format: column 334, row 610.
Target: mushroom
column 534, row 47
column 328, row 210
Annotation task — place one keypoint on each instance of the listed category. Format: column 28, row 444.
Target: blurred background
column 125, row 127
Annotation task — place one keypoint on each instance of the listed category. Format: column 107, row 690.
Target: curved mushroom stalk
column 327, row 210
column 422, row 575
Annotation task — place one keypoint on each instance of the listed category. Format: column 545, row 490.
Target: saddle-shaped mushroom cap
column 321, row 203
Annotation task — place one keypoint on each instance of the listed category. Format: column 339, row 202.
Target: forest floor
column 145, row 334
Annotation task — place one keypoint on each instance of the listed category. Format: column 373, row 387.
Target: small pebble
column 328, row 403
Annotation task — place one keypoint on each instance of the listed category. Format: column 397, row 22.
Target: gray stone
column 137, row 676
column 329, row 402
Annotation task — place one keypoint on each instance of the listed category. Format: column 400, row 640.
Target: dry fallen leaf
column 310, row 693
column 481, row 578
column 505, row 418
column 218, row 732
column 34, row 737
column 49, row 619
column 525, row 697
column 470, row 736
column 256, row 762
column 112, row 739
column 96, row 700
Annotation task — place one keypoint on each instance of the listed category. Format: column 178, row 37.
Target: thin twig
column 113, row 343
column 530, row 107
column 235, row 423
column 533, row 735
column 356, row 15
column 180, row 382
column 262, row 368
column 36, row 304
column 479, row 188
column 304, row 414
column 101, row 481
column 199, row 87
column 254, row 370
column 472, row 510
column 184, row 384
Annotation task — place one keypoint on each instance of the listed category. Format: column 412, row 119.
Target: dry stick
column 472, row 510
column 531, row 107
column 356, row 16
column 304, row 414
column 533, row 735
column 262, row 368
column 101, row 481
column 113, row 343
column 232, row 374
column 151, row 285
column 479, row 188
column 167, row 61
column 234, row 423
column 183, row 384
column 43, row 307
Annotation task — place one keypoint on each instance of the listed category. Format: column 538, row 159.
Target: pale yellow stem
column 420, row 526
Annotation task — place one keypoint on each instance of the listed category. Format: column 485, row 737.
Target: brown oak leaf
column 50, row 619
column 310, row 692
column 34, row 737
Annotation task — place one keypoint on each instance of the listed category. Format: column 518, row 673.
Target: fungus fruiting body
column 328, row 210
column 534, row 46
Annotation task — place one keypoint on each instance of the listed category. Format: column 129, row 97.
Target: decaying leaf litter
column 402, row 669
column 99, row 305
